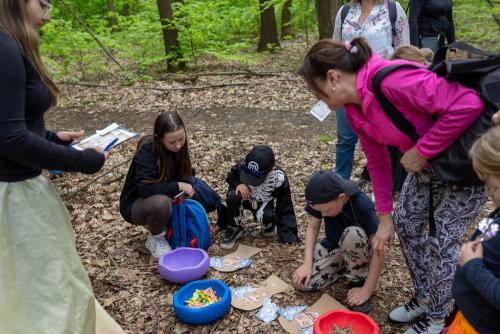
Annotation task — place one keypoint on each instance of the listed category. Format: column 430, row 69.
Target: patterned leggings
column 432, row 260
column 349, row 260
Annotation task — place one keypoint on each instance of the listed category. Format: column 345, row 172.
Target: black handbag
column 453, row 164
column 432, row 42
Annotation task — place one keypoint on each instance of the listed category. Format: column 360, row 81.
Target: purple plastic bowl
column 183, row 265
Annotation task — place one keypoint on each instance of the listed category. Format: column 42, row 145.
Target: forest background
column 241, row 31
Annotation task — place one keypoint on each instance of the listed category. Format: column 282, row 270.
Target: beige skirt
column 43, row 285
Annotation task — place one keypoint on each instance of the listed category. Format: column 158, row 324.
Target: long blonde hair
column 14, row 22
column 485, row 153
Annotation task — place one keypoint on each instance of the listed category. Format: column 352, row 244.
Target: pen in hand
column 110, row 145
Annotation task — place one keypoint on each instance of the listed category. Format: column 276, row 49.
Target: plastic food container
column 206, row 314
column 360, row 322
column 183, row 265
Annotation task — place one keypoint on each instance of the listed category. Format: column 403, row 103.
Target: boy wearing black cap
column 254, row 184
column 350, row 224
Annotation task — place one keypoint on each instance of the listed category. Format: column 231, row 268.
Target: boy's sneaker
column 363, row 308
column 158, row 245
column 270, row 231
column 409, row 312
column 426, row 325
column 230, row 236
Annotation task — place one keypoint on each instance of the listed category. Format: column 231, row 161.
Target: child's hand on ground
column 187, row 188
column 243, row 190
column 470, row 251
column 357, row 296
column 302, row 276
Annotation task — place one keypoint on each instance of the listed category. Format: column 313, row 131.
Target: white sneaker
column 409, row 312
column 158, row 245
column 426, row 325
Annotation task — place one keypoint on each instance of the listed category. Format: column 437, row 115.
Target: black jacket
column 286, row 222
column 476, row 287
column 25, row 146
column 144, row 168
column 429, row 18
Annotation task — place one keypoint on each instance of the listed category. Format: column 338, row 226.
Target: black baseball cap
column 256, row 165
column 326, row 185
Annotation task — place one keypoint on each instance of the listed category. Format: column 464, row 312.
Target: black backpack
column 453, row 165
column 393, row 15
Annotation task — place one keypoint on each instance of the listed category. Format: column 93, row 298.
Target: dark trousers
column 264, row 213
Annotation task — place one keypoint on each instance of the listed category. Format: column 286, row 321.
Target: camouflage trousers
column 350, row 260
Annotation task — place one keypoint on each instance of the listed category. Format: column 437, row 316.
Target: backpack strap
column 394, row 115
column 393, row 16
column 441, row 53
column 343, row 14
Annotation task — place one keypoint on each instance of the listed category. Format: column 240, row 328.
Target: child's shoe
column 230, row 236
column 158, row 245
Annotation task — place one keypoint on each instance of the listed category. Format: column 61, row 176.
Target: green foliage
column 326, row 139
column 223, row 29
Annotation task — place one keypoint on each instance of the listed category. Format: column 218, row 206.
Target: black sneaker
column 363, row 308
column 230, row 236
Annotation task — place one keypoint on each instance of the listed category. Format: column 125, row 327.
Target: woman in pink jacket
column 341, row 74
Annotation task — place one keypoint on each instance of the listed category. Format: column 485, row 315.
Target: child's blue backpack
column 189, row 225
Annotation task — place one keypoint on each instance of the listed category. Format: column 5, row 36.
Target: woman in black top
column 431, row 22
column 44, row 287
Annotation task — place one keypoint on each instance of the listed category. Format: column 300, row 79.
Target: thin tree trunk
column 126, row 9
column 325, row 24
column 286, row 19
column 268, row 31
column 112, row 20
column 170, row 38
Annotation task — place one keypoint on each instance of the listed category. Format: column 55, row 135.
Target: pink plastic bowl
column 183, row 265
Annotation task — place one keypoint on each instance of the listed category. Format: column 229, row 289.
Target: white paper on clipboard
column 105, row 136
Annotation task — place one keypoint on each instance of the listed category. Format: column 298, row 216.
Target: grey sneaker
column 158, row 245
column 269, row 232
column 409, row 312
column 426, row 325
column 230, row 236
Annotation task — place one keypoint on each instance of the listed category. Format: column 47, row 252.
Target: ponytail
column 329, row 54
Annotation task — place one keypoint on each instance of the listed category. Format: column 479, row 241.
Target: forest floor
column 222, row 123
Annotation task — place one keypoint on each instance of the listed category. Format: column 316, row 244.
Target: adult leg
column 455, row 210
column 411, row 216
column 346, row 144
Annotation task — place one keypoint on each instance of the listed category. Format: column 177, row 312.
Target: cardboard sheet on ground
column 306, row 318
column 231, row 260
column 255, row 299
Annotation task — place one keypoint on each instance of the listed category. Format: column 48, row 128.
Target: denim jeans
column 346, row 144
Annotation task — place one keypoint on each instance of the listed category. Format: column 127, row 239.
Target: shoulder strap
column 343, row 14
column 396, row 117
column 393, row 16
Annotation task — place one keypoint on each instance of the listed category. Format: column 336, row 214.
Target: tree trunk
column 268, row 32
column 286, row 19
column 170, row 39
column 112, row 20
column 325, row 24
column 126, row 9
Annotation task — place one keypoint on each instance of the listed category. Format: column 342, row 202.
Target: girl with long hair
column 45, row 288
column 160, row 170
column 342, row 74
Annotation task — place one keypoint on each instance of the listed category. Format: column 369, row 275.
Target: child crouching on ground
column 256, row 184
column 350, row 224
